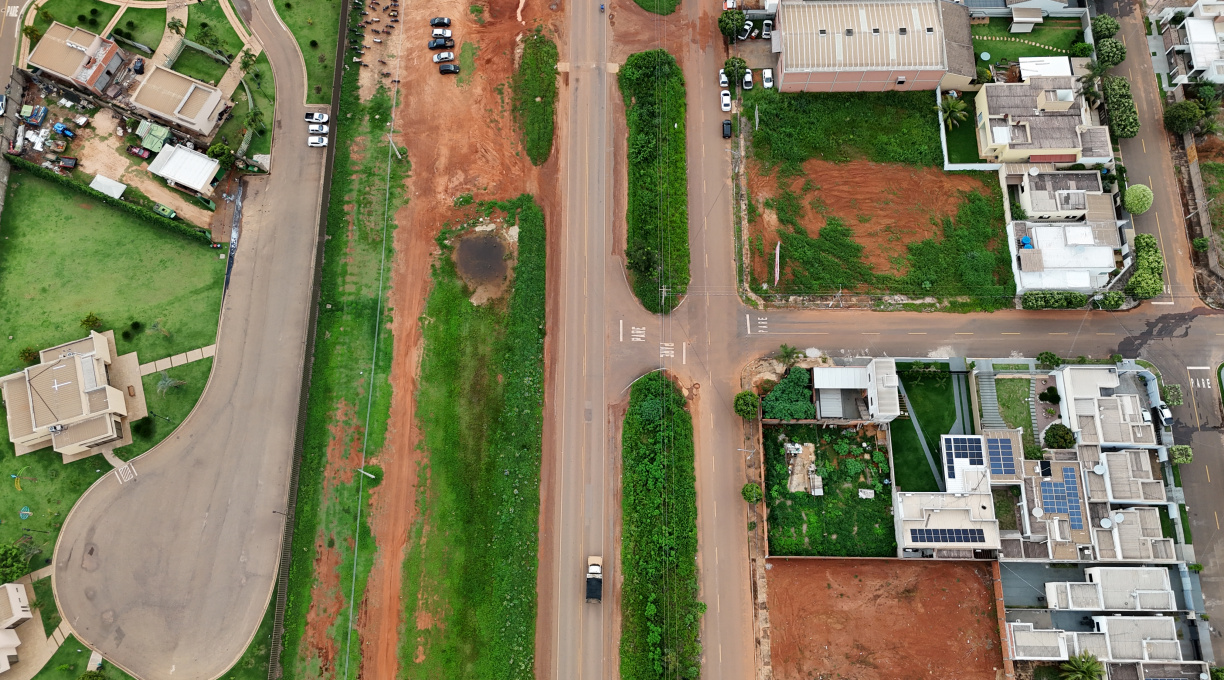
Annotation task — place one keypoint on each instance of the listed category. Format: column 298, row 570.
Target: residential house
column 186, row 169
column 1192, row 34
column 1115, row 589
column 181, row 101
column 78, row 58
column 14, row 611
column 863, row 392
column 1132, row 646
column 1041, row 120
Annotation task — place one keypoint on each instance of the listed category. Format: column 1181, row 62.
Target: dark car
column 439, row 22
column 726, row 129
column 139, row 152
column 441, row 43
column 448, row 68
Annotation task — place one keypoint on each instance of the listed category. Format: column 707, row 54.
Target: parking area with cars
column 316, row 129
column 441, row 39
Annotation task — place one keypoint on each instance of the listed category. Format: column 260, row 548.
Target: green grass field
column 962, row 139
column 1185, row 520
column 200, row 66
column 147, row 25
column 1014, row 406
column 1005, row 499
column 96, row 14
column 68, row 663
column 44, row 602
column 913, row 471
column 659, row 6
column 317, row 21
column 167, row 408
column 263, row 90
column 930, row 396
column 1055, row 33
column 209, row 12
column 467, row 62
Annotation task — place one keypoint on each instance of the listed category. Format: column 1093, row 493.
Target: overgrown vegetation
column 658, row 6
column 1005, row 500
column 535, row 95
column 839, row 523
column 1147, row 281
column 1123, row 118
column 661, row 615
column 1053, row 299
column 657, row 247
column 791, row 398
column 1059, row 436
column 1014, row 405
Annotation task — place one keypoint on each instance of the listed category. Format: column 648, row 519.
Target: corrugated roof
column 108, row 186
column 880, row 34
column 55, row 391
column 184, row 166
column 840, row 378
column 17, row 406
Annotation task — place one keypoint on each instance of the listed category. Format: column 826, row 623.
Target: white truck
column 594, row 579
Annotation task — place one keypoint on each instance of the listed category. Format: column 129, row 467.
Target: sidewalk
column 178, row 360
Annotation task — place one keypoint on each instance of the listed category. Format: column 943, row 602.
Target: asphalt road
column 169, row 575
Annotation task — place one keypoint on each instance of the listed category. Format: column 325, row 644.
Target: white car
column 767, row 29
column 316, row 118
column 316, row 141
column 444, row 56
column 744, row 31
column 722, row 78
column 767, row 78
column 728, row 4
column 317, row 129
column 748, row 79
column 726, row 100
column 441, row 33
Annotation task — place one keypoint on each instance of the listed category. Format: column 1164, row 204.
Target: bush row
column 657, row 246
column 660, row 612
column 1123, row 119
column 181, row 228
column 1148, row 279
column 1053, row 299
column 535, row 95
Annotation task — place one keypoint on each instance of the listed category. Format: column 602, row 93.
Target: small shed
column 153, row 136
column 1025, row 19
column 108, row 186
column 185, row 168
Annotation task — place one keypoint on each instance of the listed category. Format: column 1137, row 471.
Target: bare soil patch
column 887, row 206
column 867, row 619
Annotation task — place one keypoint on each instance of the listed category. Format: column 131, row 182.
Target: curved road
column 169, row 575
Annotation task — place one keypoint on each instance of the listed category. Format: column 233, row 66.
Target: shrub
column 535, row 96
column 1172, row 394
column 1181, row 454
column 144, row 427
column 1195, row 567
column 1049, row 359
column 92, row 21
column 1081, row 50
column 1116, row 358
column 1110, row 52
column 93, row 675
column 12, row 563
column 93, row 11
column 130, row 24
column 82, row 18
column 1200, row 244
column 1059, row 436
column 91, row 322
column 746, row 404
column 1104, row 26
column 222, row 153
column 1053, row 299
column 1147, row 280
column 1183, row 116
column 1050, row 395
column 752, row 493
column 1123, row 118
column 1138, row 199
column 314, row 43
column 1112, row 299
column 126, row 335
column 136, row 326
column 791, row 399
column 28, row 355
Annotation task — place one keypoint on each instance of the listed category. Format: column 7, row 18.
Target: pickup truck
column 594, row 579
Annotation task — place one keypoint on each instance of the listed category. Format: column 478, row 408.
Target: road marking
column 962, row 333
column 667, row 350
column 1144, row 143
column 925, row 334
column 1208, row 473
column 684, row 352
column 748, row 320
column 622, row 330
column 1217, row 516
column 1163, row 303
column 1104, row 333
column 1057, row 333
column 1198, row 368
column 762, row 324
column 637, row 334
column 1194, row 400
column 1009, row 334
column 865, row 333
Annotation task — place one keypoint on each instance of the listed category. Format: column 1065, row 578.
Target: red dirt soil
column 473, row 148
column 886, row 206
column 888, row 619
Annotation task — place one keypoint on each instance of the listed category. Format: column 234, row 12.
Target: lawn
column 1166, row 524
column 913, row 471
column 929, row 388
column 88, row 14
column 317, row 22
column 168, row 407
column 69, row 662
column 200, row 66
column 263, row 89
column 44, row 602
column 1054, row 33
column 1005, row 499
column 535, row 95
column 962, row 138
column 1014, row 405
column 253, row 665
column 1185, row 520
column 209, row 13
column 658, row 6
column 1213, row 178
column 839, row 523
column 467, row 62
column 144, row 25
column 65, row 255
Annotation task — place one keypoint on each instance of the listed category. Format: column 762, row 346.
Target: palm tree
column 166, row 383
column 175, row 25
column 953, row 110
column 1095, row 71
column 788, row 355
column 1090, row 94
column 1083, row 666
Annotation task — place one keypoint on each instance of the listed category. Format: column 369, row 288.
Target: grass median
column 660, row 612
column 90, row 15
column 535, row 95
column 657, row 246
column 316, row 26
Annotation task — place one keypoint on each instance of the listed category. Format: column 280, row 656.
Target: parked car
column 449, row 69
column 317, row 129
column 728, row 4
column 726, row 100
column 722, row 78
column 1162, row 413
column 316, row 141
column 767, row 78
column 316, row 118
column 767, row 29
column 441, row 44
column 165, row 211
column 139, row 152
column 444, row 56
column 727, row 129
column 441, row 33
column 437, row 22
column 743, row 34
column 747, row 79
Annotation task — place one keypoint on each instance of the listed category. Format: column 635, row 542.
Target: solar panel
column 1002, row 457
column 962, row 447
column 947, row 536
column 1063, row 497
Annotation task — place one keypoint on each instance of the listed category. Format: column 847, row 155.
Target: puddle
column 481, row 259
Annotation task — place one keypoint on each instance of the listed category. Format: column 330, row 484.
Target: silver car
column 443, row 56
column 441, row 33
column 317, row 129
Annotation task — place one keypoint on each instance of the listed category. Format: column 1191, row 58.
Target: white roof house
column 1073, row 256
column 186, row 168
column 1044, row 66
column 1136, row 589
column 1112, row 638
column 839, row 389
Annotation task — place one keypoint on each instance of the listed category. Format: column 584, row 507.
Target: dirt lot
column 866, row 619
column 886, row 206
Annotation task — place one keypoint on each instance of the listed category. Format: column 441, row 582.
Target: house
column 1115, row 589
column 185, row 169
column 181, row 101
column 858, row 393
column 1148, row 644
column 1191, row 33
column 1062, row 196
column 14, row 611
column 1074, row 256
column 78, row 58
column 1041, row 120
column 1101, row 409
column 873, row 45
column 79, row 399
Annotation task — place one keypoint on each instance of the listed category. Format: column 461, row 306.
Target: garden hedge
column 1123, row 118
column 1053, row 299
column 1147, row 281
column 181, row 228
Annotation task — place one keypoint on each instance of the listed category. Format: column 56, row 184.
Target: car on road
column 316, row 118
column 726, row 100
column 316, row 141
column 441, row 33
column 767, row 29
column 439, row 22
column 449, row 69
column 139, row 152
column 743, row 34
column 444, row 56
column 722, row 78
column 767, row 78
column 441, row 44
column 317, row 129
column 747, row 79
column 594, row 579
column 727, row 128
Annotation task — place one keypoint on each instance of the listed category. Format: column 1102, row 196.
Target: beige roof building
column 14, row 605
column 180, row 100
column 1041, row 120
column 78, row 399
column 858, row 393
column 78, row 57
column 1115, row 589
column 1097, row 413
column 1139, row 640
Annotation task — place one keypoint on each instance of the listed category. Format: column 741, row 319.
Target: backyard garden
column 962, row 136
column 263, row 93
column 1053, row 37
column 841, row 522
column 143, row 25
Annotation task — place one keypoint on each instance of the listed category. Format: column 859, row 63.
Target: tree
column 28, row 355
column 729, row 23
column 1049, row 359
column 1181, row 454
column 91, row 322
column 255, row 119
column 746, row 404
column 791, row 398
column 1104, row 26
column 1138, row 199
column 1083, row 666
column 1110, row 52
column 788, row 355
column 1059, row 436
column 31, row 33
column 166, row 383
column 752, row 493
column 1172, row 394
column 1093, row 71
column 1200, row 244
column 1183, row 116
column 93, row 675
column 953, row 110
column 222, row 153
column 12, row 566
column 1050, row 395
column 1111, row 299
column 247, row 60
column 735, row 68
column 1123, row 119
column 1081, row 50
column 642, row 259
column 175, row 25
column 207, row 37
column 984, row 75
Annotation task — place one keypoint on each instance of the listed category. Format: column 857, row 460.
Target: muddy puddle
column 481, row 259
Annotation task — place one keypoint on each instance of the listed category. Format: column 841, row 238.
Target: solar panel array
column 947, row 536
column 1002, row 457
column 962, row 447
column 1063, row 497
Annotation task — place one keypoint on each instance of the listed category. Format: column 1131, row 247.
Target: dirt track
column 887, row 619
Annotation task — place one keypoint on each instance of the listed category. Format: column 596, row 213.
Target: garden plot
column 866, row 619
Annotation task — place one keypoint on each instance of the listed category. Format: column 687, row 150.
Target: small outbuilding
column 186, row 169
column 108, row 186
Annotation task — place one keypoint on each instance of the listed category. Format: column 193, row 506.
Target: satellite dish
column 1118, row 517
column 1099, row 469
column 1038, row 512
column 1033, row 172
column 1105, row 523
